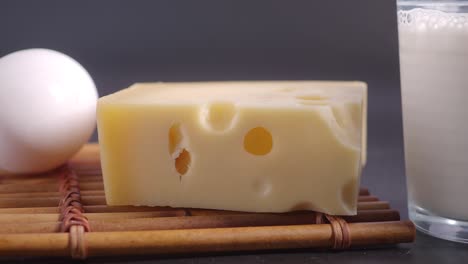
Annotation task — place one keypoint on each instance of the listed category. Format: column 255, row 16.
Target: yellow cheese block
column 263, row 146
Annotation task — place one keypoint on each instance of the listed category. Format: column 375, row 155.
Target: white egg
column 47, row 110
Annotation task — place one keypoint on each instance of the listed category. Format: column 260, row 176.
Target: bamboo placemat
column 64, row 213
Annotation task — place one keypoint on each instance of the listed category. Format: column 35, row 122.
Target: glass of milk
column 433, row 38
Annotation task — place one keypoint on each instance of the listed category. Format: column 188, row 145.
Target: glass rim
column 435, row 3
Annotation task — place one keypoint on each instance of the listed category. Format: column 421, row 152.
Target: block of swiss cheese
column 259, row 146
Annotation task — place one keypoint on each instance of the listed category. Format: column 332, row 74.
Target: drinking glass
column 433, row 42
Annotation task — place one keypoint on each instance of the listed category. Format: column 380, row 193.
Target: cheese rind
column 244, row 146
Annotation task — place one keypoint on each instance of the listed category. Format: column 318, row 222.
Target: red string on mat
column 340, row 231
column 71, row 213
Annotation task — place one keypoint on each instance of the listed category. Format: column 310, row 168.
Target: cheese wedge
column 262, row 146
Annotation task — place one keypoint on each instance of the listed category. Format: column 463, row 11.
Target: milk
column 434, row 78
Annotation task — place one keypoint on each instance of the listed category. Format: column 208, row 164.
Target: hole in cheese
column 219, row 115
column 258, row 141
column 175, row 137
column 182, row 162
column 180, row 155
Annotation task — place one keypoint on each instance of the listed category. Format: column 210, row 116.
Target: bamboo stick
column 165, row 223
column 48, row 187
column 381, row 234
column 50, row 180
column 50, row 244
column 46, row 201
column 18, row 187
column 363, row 191
column 245, row 238
column 43, row 175
column 52, row 217
column 24, row 228
column 50, row 175
column 87, row 208
column 48, row 194
column 88, row 170
column 30, row 210
column 373, row 216
column 369, row 198
column 165, row 220
column 373, row 205
column 36, row 181
column 362, row 216
column 206, row 240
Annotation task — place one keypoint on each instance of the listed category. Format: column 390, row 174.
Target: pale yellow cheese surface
column 246, row 146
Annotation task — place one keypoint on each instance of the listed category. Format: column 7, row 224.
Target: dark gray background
column 122, row 42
